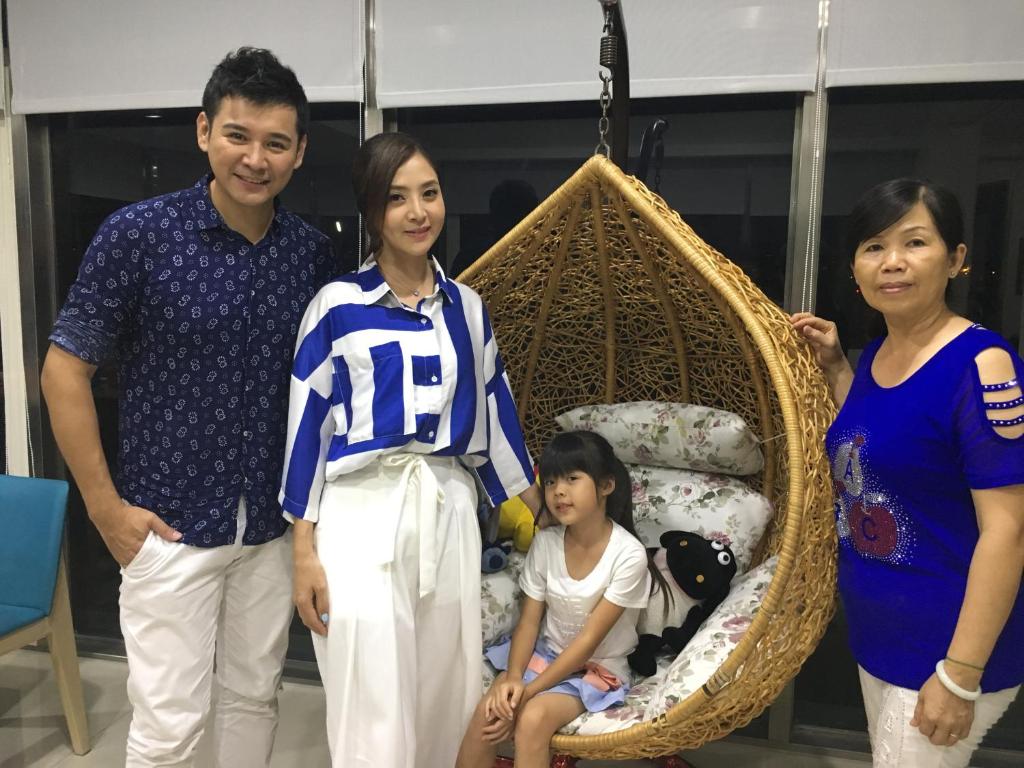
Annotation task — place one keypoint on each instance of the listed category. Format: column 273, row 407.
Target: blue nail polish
column 324, row 617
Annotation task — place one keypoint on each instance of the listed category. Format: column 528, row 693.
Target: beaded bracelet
column 956, row 690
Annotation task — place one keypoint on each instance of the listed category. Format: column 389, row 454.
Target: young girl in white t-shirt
column 585, row 581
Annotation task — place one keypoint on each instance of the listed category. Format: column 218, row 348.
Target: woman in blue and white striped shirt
column 397, row 378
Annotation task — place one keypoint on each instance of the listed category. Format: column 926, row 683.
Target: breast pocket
column 380, row 383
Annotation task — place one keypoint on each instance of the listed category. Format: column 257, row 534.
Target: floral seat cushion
column 714, row 505
column 499, row 600
column 676, row 679
column 679, row 435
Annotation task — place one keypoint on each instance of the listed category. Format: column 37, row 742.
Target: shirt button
column 430, row 434
column 423, row 320
column 433, row 379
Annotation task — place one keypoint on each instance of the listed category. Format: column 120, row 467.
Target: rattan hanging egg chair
column 603, row 294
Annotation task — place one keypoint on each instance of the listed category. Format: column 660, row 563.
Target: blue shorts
column 594, row 699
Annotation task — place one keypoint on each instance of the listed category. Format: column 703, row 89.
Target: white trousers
column 401, row 664
column 182, row 607
column 896, row 744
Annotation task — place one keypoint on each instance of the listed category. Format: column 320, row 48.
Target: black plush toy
column 698, row 572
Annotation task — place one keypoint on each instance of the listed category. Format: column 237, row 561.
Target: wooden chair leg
column 64, row 655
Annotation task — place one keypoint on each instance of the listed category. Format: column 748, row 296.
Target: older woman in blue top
column 928, row 468
column 397, row 386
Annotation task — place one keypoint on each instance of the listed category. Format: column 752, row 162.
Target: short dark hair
column 373, row 168
column 886, row 203
column 256, row 75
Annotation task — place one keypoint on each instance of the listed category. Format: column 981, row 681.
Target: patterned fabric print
column 615, row 719
column 672, row 435
column 867, row 518
column 714, row 641
column 715, row 506
column 202, row 324
column 500, row 597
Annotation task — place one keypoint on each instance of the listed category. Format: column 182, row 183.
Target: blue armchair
column 34, row 600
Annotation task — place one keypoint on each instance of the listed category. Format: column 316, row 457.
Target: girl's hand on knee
column 507, row 696
column 941, row 716
column 498, row 730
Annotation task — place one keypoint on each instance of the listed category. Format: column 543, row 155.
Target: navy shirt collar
column 205, row 213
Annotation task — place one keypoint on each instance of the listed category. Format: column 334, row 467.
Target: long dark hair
column 373, row 168
column 589, row 453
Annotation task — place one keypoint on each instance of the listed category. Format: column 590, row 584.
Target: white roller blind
column 71, row 55
column 884, row 42
column 486, row 51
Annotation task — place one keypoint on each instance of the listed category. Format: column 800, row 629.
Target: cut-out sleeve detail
column 1001, row 396
column 1001, row 387
column 997, row 409
column 989, row 419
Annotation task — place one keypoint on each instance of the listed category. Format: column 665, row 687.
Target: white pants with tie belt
column 401, row 663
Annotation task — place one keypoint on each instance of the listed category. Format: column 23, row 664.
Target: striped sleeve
column 507, row 469
column 311, row 418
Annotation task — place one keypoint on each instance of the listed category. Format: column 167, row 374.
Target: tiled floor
column 32, row 727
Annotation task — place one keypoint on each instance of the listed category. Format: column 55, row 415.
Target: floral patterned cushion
column 715, row 506
column 672, row 435
column 676, row 679
column 499, row 600
column 714, row 641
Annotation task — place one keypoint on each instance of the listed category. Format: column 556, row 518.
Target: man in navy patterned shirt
column 198, row 296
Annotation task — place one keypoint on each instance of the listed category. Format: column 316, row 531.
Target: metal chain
column 603, row 125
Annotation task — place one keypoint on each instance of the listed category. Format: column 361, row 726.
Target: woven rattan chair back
column 603, row 294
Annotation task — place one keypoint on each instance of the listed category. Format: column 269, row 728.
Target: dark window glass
column 726, row 170
column 103, row 161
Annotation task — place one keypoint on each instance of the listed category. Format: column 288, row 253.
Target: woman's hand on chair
column 823, row 337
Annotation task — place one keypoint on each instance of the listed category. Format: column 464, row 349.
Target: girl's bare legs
column 475, row 752
column 540, row 718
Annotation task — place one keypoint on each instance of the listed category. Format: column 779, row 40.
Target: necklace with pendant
column 414, row 291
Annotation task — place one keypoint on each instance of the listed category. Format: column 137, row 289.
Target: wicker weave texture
column 603, row 294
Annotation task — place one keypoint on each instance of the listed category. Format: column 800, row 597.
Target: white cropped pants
column 896, row 744
column 182, row 607
column 401, row 663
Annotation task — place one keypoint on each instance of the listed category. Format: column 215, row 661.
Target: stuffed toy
column 516, row 523
column 698, row 572
column 495, row 552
